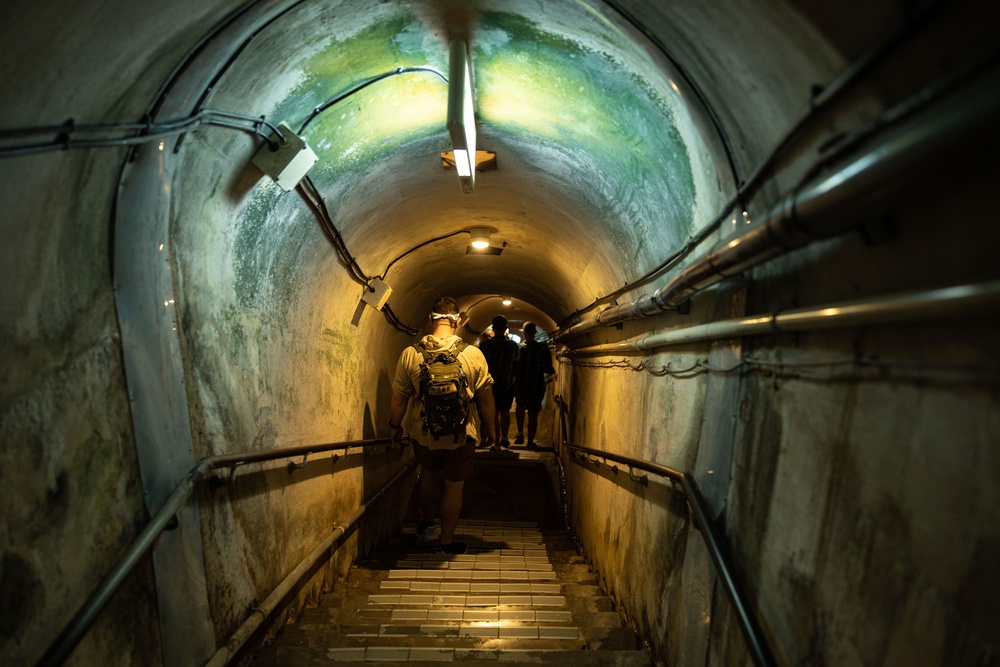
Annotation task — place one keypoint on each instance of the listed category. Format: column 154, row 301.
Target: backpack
column 443, row 391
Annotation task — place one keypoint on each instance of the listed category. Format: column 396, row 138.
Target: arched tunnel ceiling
column 601, row 169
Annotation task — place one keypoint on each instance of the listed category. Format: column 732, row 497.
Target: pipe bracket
column 293, row 466
column 639, row 479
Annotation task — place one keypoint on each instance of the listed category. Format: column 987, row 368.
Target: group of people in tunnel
column 519, row 372
column 492, row 376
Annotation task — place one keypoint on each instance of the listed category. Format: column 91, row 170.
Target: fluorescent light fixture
column 461, row 115
column 462, row 163
column 480, row 237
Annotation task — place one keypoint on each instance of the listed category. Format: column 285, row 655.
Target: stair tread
column 522, row 592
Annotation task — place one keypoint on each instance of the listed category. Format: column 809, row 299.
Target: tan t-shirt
column 407, row 383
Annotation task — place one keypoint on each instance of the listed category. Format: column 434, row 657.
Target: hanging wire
column 70, row 135
column 419, row 246
column 364, row 84
column 308, row 190
column 985, row 372
column 310, row 193
column 697, row 368
column 394, row 321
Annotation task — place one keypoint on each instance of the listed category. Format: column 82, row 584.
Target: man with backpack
column 443, row 376
column 501, row 355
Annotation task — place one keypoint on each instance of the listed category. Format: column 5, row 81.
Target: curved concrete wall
column 610, row 155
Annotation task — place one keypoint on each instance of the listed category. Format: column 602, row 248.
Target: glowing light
column 480, row 237
column 506, row 301
column 462, row 164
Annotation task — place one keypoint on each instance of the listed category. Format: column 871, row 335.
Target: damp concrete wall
column 849, row 469
column 73, row 498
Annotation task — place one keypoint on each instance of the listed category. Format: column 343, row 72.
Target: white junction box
column 377, row 295
column 289, row 163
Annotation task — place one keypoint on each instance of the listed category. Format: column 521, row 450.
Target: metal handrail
column 714, row 541
column 85, row 617
column 263, row 611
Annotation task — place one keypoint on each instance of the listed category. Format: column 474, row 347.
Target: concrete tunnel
column 760, row 239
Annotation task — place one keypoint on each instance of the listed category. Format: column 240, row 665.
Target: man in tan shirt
column 445, row 462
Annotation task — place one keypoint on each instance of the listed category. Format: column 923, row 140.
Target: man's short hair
column 446, row 306
column 499, row 324
column 530, row 328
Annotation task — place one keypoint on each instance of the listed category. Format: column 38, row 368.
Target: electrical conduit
column 977, row 298
column 833, row 203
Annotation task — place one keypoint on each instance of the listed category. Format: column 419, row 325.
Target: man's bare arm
column 487, row 411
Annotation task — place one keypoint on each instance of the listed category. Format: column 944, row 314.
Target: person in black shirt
column 501, row 355
column 534, row 365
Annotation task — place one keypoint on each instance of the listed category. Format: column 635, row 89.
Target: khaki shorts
column 455, row 463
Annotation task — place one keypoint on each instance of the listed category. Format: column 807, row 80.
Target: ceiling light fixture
column 480, row 237
column 461, row 115
column 506, row 301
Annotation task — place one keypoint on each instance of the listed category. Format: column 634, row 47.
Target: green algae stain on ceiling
column 357, row 132
column 576, row 99
column 614, row 125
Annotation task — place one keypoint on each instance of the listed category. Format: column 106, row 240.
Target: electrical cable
column 361, row 86
column 307, row 188
column 986, row 372
column 394, row 321
column 670, row 262
column 421, row 245
column 134, row 133
column 310, row 193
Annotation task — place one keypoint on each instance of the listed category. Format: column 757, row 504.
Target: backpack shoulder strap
column 419, row 347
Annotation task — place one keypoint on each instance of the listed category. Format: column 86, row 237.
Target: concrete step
column 404, row 656
column 519, row 593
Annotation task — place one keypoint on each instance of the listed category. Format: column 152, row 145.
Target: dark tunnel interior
column 758, row 239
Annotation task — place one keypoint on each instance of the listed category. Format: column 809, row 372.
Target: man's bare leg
column 430, row 493
column 532, row 426
column 503, row 424
column 451, row 507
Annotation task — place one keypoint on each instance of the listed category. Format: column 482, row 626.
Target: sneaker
column 505, row 443
column 519, row 440
column 427, row 531
column 452, row 548
column 532, row 445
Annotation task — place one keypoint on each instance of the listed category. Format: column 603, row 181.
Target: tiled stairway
column 520, row 594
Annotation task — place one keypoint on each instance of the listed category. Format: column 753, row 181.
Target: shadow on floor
column 507, row 487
